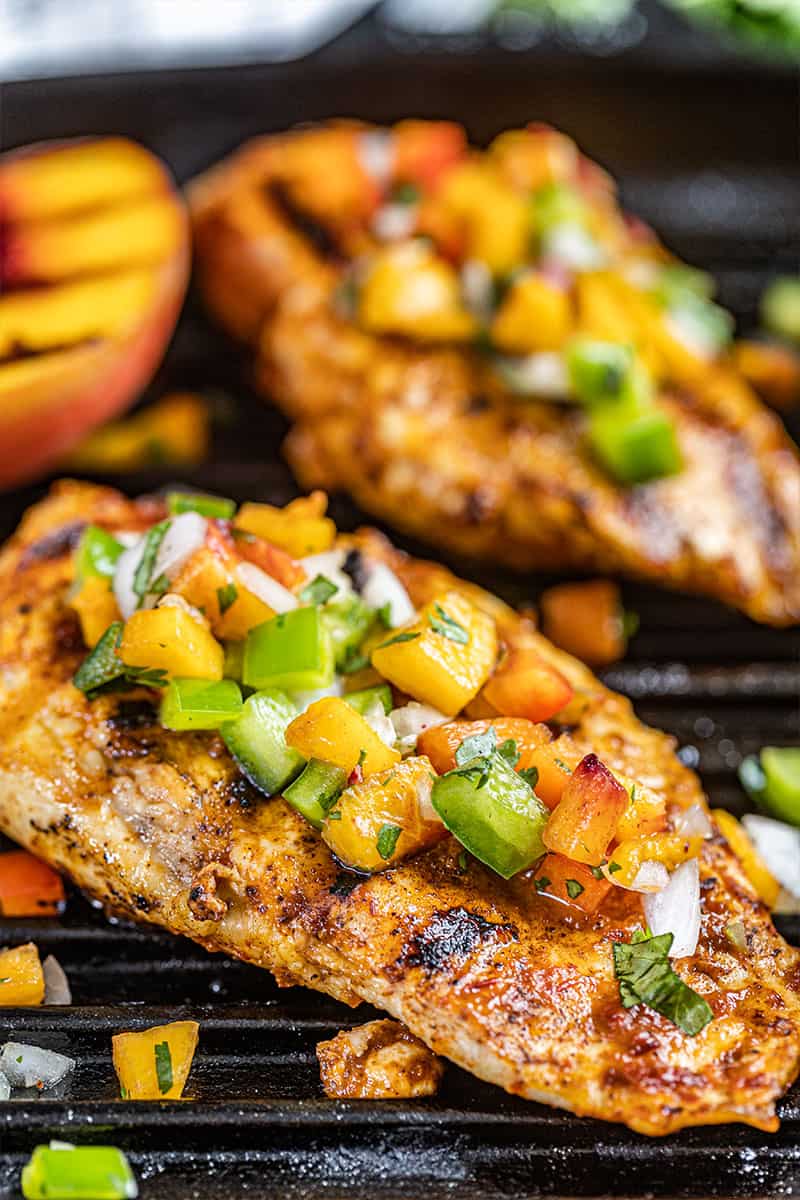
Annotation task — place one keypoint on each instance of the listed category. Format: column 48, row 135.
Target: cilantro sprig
column 645, row 976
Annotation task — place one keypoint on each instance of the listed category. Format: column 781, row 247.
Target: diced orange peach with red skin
column 669, row 849
column 533, row 157
column 555, row 872
column 28, row 886
column 325, row 170
column 585, row 619
column 646, row 812
column 584, row 822
column 272, row 559
column 21, row 977
column 204, row 579
column 554, row 763
column 524, row 685
column 441, row 742
column 425, row 150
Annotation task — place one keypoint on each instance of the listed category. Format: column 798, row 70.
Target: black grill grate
column 256, row 1123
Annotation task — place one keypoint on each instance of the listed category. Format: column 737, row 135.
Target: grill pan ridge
column 255, row 1122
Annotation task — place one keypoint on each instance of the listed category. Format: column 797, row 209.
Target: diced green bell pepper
column 58, row 1172
column 773, row 781
column 493, row 813
column 314, row 793
column 701, row 322
column 200, row 703
column 97, row 553
column 257, row 741
column 603, row 372
column 557, row 204
column 348, row 621
column 363, row 700
column 199, row 502
column 293, row 651
column 634, row 446
column 780, row 307
column 676, row 279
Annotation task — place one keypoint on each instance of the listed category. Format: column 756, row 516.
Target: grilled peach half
column 94, row 261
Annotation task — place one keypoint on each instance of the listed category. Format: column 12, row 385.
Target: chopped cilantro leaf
column 104, row 671
column 574, row 888
column 478, row 745
column 387, row 840
column 318, row 591
column 613, row 867
column 354, row 661
column 508, row 750
column 385, row 615
column 163, row 1066
column 398, row 637
column 542, row 883
column 531, row 776
column 447, row 626
column 143, row 576
column 645, row 976
column 226, row 596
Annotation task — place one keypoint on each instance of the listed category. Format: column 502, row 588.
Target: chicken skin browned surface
column 386, row 282
column 378, row 1061
column 506, row 982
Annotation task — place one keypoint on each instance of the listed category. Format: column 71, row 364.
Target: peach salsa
column 384, row 726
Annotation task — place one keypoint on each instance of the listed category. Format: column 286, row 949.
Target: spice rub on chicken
column 485, row 350
column 355, row 770
column 378, row 1061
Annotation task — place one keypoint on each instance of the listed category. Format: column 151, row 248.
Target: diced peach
column 425, row 150
column 494, row 217
column 753, row 865
column 21, row 977
column 410, row 291
column 206, row 579
column 440, row 742
column 585, row 619
column 169, row 639
column 535, row 315
column 525, row 685
column 385, row 818
column 668, row 849
column 772, row 369
column 173, row 431
column 299, row 529
column 332, row 730
column 533, row 157
column 584, row 822
column 154, row 1064
column 646, row 812
column 554, row 763
column 96, row 607
column 444, row 656
column 28, row 886
column 571, row 882
column 324, row 170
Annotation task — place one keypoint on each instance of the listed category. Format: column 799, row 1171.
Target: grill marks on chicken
column 508, row 984
column 395, row 424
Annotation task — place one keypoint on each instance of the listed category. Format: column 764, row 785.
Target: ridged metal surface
column 255, row 1123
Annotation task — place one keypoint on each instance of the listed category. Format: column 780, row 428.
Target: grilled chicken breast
column 425, row 434
column 378, row 1061
column 505, row 982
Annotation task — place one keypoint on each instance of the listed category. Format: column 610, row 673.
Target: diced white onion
column 413, row 719
column 56, row 984
column 5, row 1087
column 304, row 700
column 477, row 288
column 262, row 585
column 127, row 563
column 377, row 719
column 375, row 151
column 394, row 221
column 329, row 564
column 185, row 534
column 779, row 846
column 573, row 247
column 676, row 909
column 651, row 877
column 27, row 1066
column 383, row 587
column 544, row 375
column 694, row 821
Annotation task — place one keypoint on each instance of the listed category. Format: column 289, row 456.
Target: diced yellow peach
column 376, row 823
column 96, row 607
column 495, row 218
column 444, row 657
column 669, row 849
column 174, row 430
column 332, row 730
column 154, row 1064
column 301, row 528
column 170, row 639
column 646, row 812
column 535, row 315
column 753, row 865
column 21, row 977
column 206, row 581
column 409, row 291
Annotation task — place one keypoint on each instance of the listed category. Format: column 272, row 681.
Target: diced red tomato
column 584, row 822
column 440, row 743
column 424, row 150
column 570, row 881
column 28, row 887
column 524, row 685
